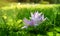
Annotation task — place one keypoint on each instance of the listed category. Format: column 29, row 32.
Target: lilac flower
column 28, row 22
column 37, row 16
column 35, row 19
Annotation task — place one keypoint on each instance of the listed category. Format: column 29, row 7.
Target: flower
column 38, row 17
column 35, row 19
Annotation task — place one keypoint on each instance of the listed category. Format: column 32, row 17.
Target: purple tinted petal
column 27, row 22
column 32, row 22
column 41, row 17
column 36, row 15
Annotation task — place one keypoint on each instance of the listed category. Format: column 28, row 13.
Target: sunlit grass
column 50, row 33
column 19, row 5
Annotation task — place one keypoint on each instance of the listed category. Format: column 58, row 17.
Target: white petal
column 32, row 15
column 42, row 17
column 35, row 24
column 40, row 14
column 24, row 27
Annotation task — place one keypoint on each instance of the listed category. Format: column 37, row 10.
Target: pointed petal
column 27, row 22
column 36, row 15
column 24, row 27
column 32, row 15
column 43, row 17
column 40, row 14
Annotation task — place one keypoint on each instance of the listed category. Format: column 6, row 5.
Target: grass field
column 11, row 20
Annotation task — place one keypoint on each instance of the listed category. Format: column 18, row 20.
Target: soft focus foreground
column 11, row 20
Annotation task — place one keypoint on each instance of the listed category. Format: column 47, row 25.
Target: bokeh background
column 12, row 13
column 6, row 2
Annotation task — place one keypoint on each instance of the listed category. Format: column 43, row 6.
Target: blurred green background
column 6, row 2
column 12, row 13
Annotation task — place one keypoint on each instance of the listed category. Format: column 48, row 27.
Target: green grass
column 11, row 19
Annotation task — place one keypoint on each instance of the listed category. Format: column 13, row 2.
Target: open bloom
column 35, row 19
